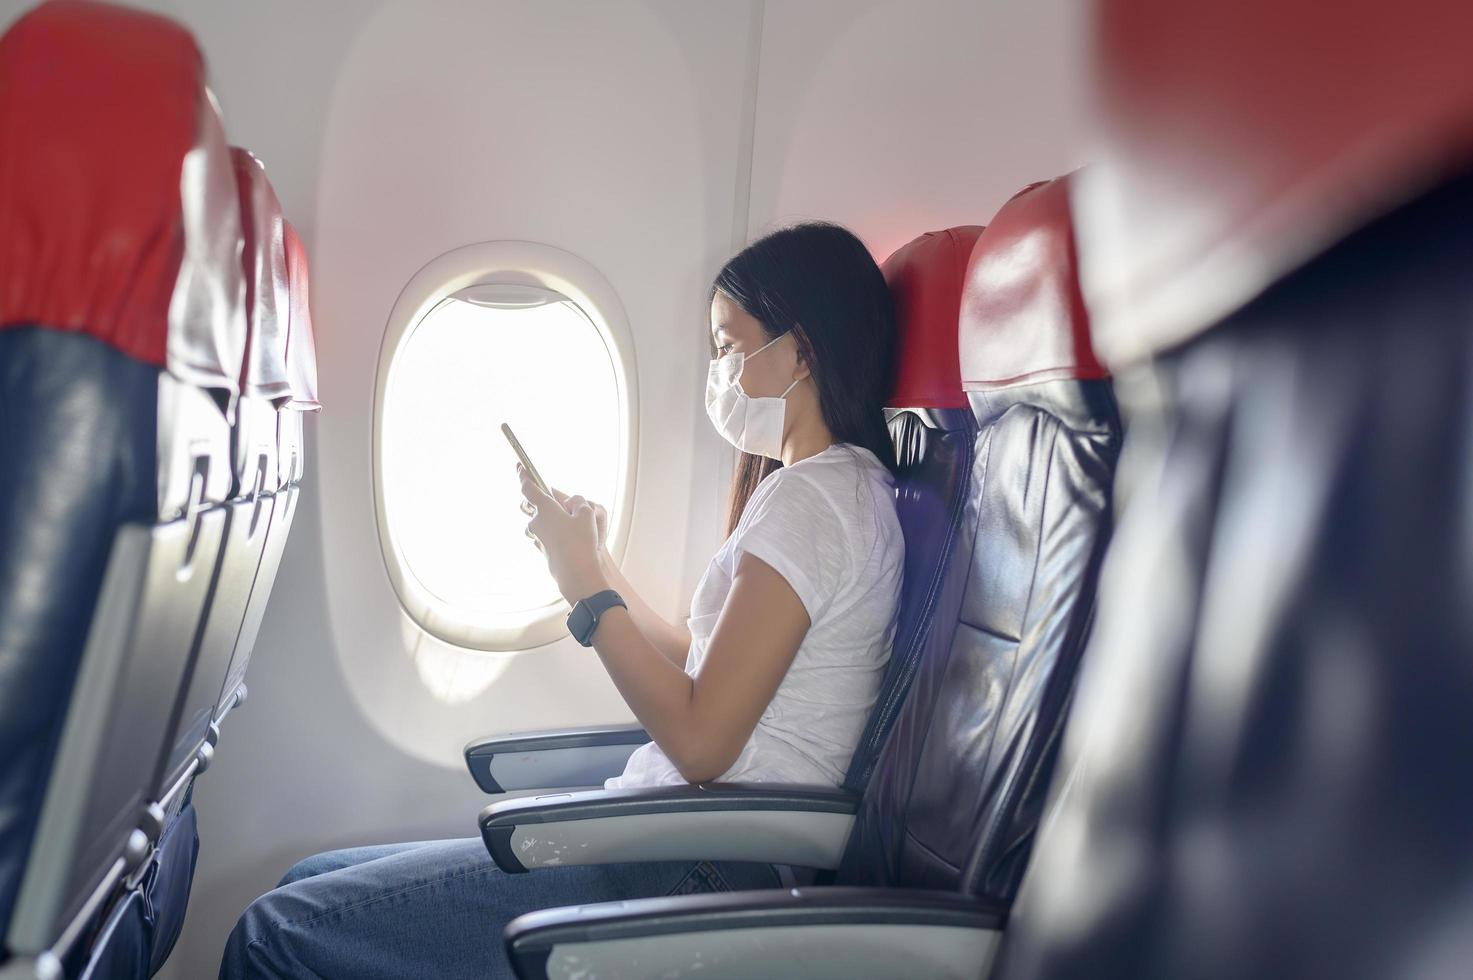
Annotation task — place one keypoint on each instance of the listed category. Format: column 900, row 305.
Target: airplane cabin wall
column 635, row 135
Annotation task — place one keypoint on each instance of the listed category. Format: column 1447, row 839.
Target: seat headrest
column 1023, row 321
column 1239, row 140
column 926, row 277
column 301, row 346
column 117, row 211
column 268, row 300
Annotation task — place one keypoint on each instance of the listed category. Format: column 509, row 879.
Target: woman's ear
column 801, row 369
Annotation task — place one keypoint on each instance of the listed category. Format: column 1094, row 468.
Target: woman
column 772, row 677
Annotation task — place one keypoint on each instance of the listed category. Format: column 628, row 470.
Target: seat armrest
column 805, row 826
column 839, row 932
column 552, row 759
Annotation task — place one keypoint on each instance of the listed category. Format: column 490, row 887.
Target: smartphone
column 516, row 447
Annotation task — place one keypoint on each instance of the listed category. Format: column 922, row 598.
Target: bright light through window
column 482, row 357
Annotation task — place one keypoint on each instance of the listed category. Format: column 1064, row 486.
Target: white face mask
column 753, row 425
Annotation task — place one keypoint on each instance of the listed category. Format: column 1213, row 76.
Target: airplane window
column 484, row 355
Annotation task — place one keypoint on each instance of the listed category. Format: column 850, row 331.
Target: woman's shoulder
column 828, row 524
column 842, row 465
column 844, row 481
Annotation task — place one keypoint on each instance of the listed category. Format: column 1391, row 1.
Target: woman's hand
column 568, row 534
column 600, row 515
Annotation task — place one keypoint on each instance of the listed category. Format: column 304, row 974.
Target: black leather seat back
column 1267, row 774
column 58, row 512
column 120, row 340
column 932, row 430
column 955, row 799
column 1268, row 767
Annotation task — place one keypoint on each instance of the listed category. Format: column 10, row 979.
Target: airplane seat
column 290, row 412
column 929, row 860
column 932, row 430
column 247, row 513
column 956, row 797
column 121, row 334
column 255, row 474
column 1267, row 769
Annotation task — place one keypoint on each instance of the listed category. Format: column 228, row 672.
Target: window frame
column 505, row 263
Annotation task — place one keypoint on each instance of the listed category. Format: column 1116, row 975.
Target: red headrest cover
column 1022, row 319
column 301, row 347
column 268, row 300
column 926, row 279
column 1242, row 138
column 110, row 217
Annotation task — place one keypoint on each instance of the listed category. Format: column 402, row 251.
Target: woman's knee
column 348, row 857
column 246, row 947
column 309, row 867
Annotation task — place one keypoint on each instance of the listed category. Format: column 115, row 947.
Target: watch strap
column 583, row 626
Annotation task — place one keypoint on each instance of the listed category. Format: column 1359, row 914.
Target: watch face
column 579, row 621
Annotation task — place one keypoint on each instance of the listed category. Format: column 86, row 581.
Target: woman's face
column 734, row 330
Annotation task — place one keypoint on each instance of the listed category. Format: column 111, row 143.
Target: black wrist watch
column 583, row 620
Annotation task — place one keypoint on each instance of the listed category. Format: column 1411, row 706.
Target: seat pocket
column 173, row 879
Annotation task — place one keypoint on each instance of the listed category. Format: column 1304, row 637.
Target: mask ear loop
column 763, row 348
column 797, row 340
column 767, row 345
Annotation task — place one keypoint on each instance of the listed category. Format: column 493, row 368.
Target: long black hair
column 817, row 281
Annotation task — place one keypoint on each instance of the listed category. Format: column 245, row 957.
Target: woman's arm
column 701, row 722
column 671, row 639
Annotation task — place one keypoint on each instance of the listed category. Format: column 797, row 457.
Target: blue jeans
column 432, row 909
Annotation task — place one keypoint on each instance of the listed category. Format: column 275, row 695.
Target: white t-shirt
column 827, row 525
